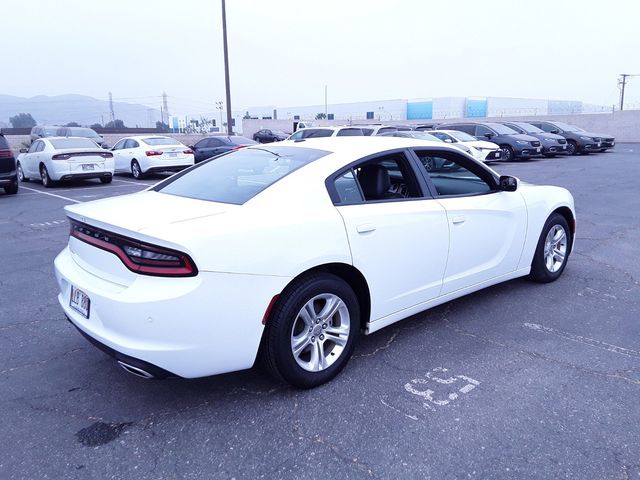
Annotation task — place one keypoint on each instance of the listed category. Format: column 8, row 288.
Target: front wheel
column 507, row 153
column 21, row 175
column 572, row 148
column 311, row 332
column 136, row 171
column 552, row 251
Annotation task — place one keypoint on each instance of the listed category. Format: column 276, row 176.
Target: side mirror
column 555, row 131
column 23, row 150
column 191, row 147
column 508, row 183
column 448, row 140
column 488, row 135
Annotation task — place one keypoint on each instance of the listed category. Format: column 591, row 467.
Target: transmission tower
column 111, row 112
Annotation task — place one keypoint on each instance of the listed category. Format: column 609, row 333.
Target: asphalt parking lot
column 520, row 380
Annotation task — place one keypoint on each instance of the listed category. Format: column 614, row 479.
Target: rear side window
column 348, row 189
column 240, row 175
column 350, row 132
column 386, row 129
column 3, row 143
column 317, row 133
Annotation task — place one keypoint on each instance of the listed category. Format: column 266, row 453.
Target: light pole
column 226, row 67
column 219, row 107
column 622, row 82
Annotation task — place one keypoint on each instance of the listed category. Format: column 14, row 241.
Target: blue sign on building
column 420, row 110
column 476, row 108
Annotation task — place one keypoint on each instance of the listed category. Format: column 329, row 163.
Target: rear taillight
column 151, row 153
column 61, row 156
column 139, row 257
column 238, row 147
column 106, row 155
column 188, row 152
column 6, row 152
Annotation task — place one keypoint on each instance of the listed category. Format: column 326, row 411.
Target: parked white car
column 373, row 130
column 151, row 153
column 318, row 132
column 297, row 247
column 53, row 159
column 480, row 149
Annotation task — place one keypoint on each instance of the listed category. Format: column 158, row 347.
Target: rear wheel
column 21, row 176
column 572, row 147
column 12, row 189
column 552, row 251
column 136, row 171
column 311, row 332
column 106, row 179
column 44, row 176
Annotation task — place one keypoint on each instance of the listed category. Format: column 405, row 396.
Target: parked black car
column 513, row 144
column 212, row 146
column 8, row 173
column 424, row 127
column 268, row 135
column 578, row 140
column 552, row 144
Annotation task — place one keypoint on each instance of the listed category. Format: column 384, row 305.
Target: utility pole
column 165, row 106
column 111, row 112
column 226, row 67
column 325, row 101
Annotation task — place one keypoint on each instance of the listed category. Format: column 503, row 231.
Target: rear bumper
column 85, row 176
column 8, row 178
column 173, row 168
column 188, row 327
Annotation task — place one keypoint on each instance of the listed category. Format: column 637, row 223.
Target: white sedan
column 480, row 149
column 293, row 249
column 53, row 159
column 151, row 153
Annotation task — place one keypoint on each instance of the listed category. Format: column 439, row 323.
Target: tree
column 96, row 125
column 161, row 126
column 320, row 116
column 22, row 120
column 72, row 124
column 117, row 123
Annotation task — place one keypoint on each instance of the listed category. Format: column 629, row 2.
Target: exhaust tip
column 138, row 372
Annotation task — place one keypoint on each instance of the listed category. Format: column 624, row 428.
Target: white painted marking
column 584, row 340
column 53, row 223
column 412, row 417
column 52, row 195
column 433, row 378
column 132, row 183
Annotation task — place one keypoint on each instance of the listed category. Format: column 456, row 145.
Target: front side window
column 297, row 136
column 470, row 129
column 482, row 131
column 34, row 146
column 238, row 176
column 450, row 176
column 317, row 133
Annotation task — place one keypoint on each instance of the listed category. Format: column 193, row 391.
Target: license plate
column 80, row 301
column 599, row 144
column 564, row 147
column 87, row 166
column 538, row 149
column 172, row 154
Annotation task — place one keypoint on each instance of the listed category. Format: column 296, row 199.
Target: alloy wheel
column 555, row 248
column 320, row 332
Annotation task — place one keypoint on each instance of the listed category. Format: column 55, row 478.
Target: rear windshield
column 83, row 132
column 160, row 141
column 238, row 140
column 386, row 129
column 240, row 175
column 71, row 142
column 350, row 132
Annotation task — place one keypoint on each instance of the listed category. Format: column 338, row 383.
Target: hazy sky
column 283, row 52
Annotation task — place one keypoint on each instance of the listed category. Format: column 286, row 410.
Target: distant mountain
column 62, row 109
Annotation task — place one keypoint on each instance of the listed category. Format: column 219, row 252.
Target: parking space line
column 52, row 195
column 132, row 183
column 584, row 340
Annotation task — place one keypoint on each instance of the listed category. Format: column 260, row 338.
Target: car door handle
column 365, row 227
column 458, row 219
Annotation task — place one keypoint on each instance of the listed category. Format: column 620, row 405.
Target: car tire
column 12, row 189
column 602, row 150
column 106, row 179
column 572, row 147
column 549, row 155
column 552, row 251
column 21, row 176
column 298, row 319
column 508, row 154
column 44, row 176
column 136, row 171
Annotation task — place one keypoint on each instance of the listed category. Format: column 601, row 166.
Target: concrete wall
column 625, row 126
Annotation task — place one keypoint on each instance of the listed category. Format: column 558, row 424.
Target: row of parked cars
column 487, row 141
